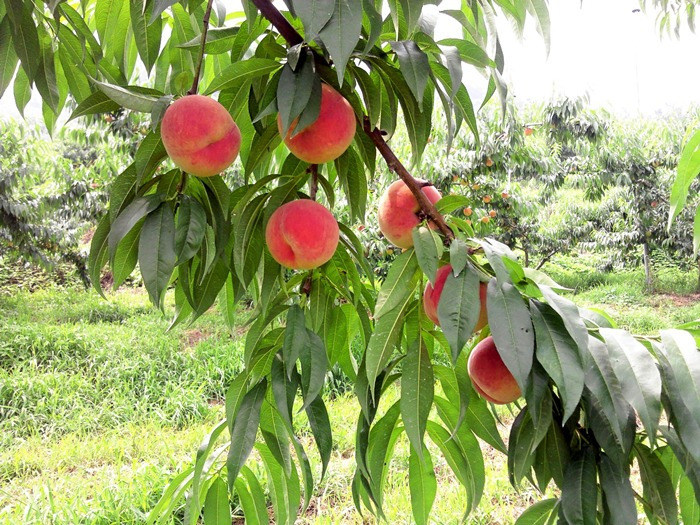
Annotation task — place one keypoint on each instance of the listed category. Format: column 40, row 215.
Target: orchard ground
column 101, row 407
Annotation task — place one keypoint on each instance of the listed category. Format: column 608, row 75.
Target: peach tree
column 308, row 99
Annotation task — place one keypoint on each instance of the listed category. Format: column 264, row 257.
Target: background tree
column 584, row 383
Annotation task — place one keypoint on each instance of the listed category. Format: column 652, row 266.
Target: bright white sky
column 598, row 47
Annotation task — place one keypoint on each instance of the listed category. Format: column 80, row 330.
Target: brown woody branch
column 313, row 169
column 205, row 30
column 290, row 34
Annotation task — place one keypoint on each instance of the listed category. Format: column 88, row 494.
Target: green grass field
column 100, row 406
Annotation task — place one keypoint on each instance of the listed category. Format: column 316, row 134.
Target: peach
column 302, row 234
column 490, row 376
column 431, row 298
column 398, row 212
column 200, row 136
column 329, row 136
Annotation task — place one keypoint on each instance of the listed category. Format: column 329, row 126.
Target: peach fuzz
column 200, row 136
column 431, row 298
column 490, row 376
column 329, row 136
column 398, row 212
column 302, row 235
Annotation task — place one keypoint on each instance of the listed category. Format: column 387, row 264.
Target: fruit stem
column 313, row 169
column 205, row 30
column 293, row 38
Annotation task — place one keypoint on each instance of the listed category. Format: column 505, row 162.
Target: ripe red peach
column 302, row 235
column 490, row 376
column 431, row 298
column 398, row 209
column 200, row 136
column 329, row 136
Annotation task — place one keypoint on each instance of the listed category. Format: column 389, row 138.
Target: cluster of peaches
column 202, row 139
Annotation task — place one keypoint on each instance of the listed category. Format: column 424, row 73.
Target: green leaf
column 205, row 293
column 219, row 40
column 126, row 257
column 552, row 457
column 158, row 7
column 98, row 255
column 689, row 507
column 540, row 12
column 8, row 57
column 129, row 216
column 579, row 494
column 293, row 92
column 157, row 251
column 354, row 181
column 513, row 334
column 314, row 365
column 422, row 484
column 296, row 338
column 321, row 428
column 688, row 169
column 570, row 315
column 428, row 248
column 314, row 15
column 459, row 309
column 558, row 354
column 252, row 498
column 261, row 147
column 618, row 493
column 541, row 513
column 462, row 101
column 148, row 157
column 147, row 31
column 459, row 255
column 521, row 446
column 382, row 439
column 638, row 374
column 602, row 384
column 122, row 191
column 414, row 66
column 411, row 12
column 398, row 285
column 342, row 32
column 25, row 39
column 284, row 490
column 216, row 506
column 274, row 433
column 240, row 71
column 658, row 492
column 98, row 102
column 127, row 97
column 469, row 52
column 474, row 475
column 417, row 390
column 22, row 90
column 191, row 224
column 386, row 334
column 244, row 429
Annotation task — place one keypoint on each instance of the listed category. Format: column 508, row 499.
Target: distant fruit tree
column 308, row 100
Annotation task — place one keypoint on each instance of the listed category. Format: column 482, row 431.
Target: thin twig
column 205, row 30
column 290, row 34
column 313, row 169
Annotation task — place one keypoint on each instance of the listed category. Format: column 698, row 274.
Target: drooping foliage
column 585, row 385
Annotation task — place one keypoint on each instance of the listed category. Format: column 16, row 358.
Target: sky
column 599, row 48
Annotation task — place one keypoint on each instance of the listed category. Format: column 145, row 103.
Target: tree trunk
column 648, row 278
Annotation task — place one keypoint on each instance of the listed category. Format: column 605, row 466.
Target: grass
column 100, row 406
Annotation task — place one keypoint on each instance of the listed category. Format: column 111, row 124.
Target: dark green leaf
column 98, row 102
column 617, row 492
column 579, row 494
column 558, row 354
column 159, row 7
column 314, row 15
column 129, row 216
column 148, row 157
column 513, row 334
column 659, row 494
column 417, row 390
column 321, row 429
column 98, row 255
column 541, row 513
column 459, row 309
column 244, row 429
column 341, row 33
column 157, row 251
column 293, row 92
column 296, row 338
column 127, row 97
column 521, row 446
column 240, row 71
column 147, row 31
column 428, row 247
column 204, row 294
column 314, row 365
column 8, row 57
column 414, row 66
column 25, row 39
column 191, row 224
column 398, row 285
column 219, row 40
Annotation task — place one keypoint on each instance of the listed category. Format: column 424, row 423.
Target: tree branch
column 313, row 169
column 278, row 20
column 205, row 30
